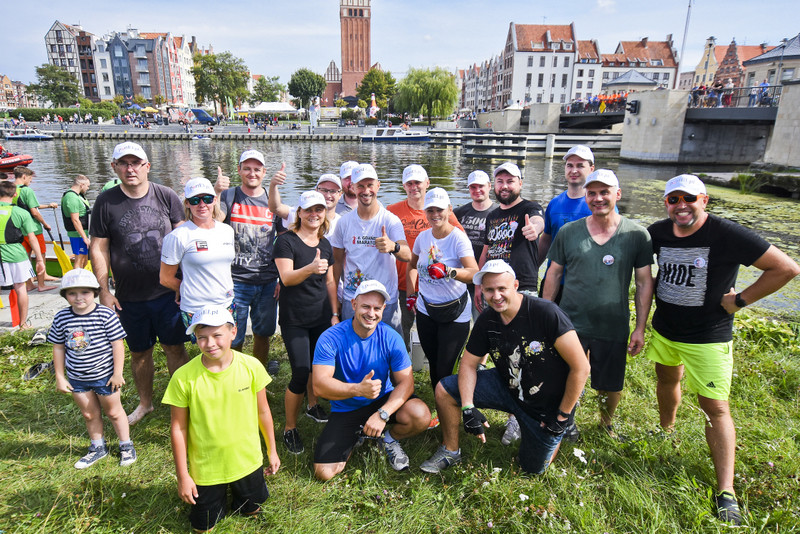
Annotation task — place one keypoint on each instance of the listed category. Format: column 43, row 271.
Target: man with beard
column 348, row 201
column 127, row 228
column 599, row 254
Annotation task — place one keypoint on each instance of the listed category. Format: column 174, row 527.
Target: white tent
column 273, row 107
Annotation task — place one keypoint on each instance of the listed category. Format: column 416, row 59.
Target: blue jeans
column 259, row 302
column 491, row 391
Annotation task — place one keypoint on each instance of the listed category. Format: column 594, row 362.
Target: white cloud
column 606, row 5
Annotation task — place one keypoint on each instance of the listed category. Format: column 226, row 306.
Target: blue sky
column 277, row 38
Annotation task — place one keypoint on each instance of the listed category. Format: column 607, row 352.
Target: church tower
column 354, row 16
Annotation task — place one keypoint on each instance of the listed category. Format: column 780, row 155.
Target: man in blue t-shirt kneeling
column 362, row 366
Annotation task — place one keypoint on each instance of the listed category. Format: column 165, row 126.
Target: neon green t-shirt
column 223, row 438
column 17, row 218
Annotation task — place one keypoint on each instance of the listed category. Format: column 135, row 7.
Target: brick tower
column 355, row 21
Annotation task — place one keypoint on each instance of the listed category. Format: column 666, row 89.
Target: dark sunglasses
column 206, row 199
column 689, row 199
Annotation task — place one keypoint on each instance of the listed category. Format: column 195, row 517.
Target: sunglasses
column 689, row 199
column 206, row 199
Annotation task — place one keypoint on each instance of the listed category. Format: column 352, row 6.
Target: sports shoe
column 441, row 460
column 94, row 454
column 434, row 421
column 273, row 368
column 613, row 434
column 293, row 442
column 397, row 457
column 728, row 508
column 317, row 413
column 512, row 433
column 39, row 338
column 572, row 434
column 127, row 454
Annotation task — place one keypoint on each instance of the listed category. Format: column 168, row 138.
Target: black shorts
column 342, row 431
column 211, row 503
column 151, row 320
column 607, row 360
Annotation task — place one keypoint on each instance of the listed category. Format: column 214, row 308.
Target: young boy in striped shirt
column 88, row 356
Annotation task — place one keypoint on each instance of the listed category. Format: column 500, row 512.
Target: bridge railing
column 736, row 97
column 579, row 107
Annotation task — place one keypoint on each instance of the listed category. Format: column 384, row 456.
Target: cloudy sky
column 277, row 38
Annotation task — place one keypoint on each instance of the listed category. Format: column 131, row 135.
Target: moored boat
column 27, row 134
column 395, row 135
column 9, row 161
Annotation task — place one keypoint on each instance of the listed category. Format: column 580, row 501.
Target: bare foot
column 46, row 288
column 138, row 414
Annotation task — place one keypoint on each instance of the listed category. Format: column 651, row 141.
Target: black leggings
column 442, row 344
column 300, row 343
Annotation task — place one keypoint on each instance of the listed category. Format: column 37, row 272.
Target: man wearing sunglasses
column 698, row 260
column 127, row 229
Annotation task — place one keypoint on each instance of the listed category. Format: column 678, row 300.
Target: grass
column 598, row 485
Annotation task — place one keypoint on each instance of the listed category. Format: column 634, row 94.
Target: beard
column 509, row 199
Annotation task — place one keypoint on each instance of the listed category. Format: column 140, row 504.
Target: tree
column 266, row 89
column 427, row 92
column 340, row 103
column 381, row 83
column 159, row 99
column 305, row 84
column 118, row 100
column 218, row 77
column 139, row 99
column 55, row 84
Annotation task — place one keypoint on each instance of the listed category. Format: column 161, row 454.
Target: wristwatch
column 383, row 414
column 396, row 248
column 739, row 301
column 451, row 272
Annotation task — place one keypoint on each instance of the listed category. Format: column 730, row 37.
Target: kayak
column 9, row 161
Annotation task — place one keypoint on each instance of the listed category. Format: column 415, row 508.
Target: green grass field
column 597, row 485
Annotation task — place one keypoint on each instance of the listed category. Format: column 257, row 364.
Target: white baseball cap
column 437, row 198
column 510, row 168
column 330, row 178
column 311, row 198
column 78, row 278
column 198, row 186
column 478, row 177
column 688, row 183
column 369, row 286
column 414, row 173
column 252, row 154
column 582, row 151
column 363, row 171
column 493, row 267
column 129, row 148
column 604, row 176
column 210, row 316
column 347, row 168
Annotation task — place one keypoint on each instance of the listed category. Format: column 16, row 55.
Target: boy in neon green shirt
column 218, row 402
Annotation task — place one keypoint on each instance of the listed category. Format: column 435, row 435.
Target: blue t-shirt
column 562, row 210
column 383, row 352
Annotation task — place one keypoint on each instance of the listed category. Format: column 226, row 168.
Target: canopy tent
column 269, row 107
column 149, row 109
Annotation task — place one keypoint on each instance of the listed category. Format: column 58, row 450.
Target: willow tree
column 427, row 92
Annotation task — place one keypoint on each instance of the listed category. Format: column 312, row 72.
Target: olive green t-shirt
column 18, row 218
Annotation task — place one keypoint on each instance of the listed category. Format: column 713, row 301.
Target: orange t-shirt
column 414, row 222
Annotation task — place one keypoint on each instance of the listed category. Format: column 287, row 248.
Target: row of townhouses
column 13, row 94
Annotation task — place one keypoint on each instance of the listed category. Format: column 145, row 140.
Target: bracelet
column 335, row 314
column 467, row 407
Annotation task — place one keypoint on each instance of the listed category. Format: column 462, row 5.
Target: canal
column 174, row 162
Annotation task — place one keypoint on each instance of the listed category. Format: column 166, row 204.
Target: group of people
column 352, row 276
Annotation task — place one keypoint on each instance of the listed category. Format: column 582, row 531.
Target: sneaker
column 127, row 455
column 317, row 413
column 291, row 438
column 728, row 508
column 613, row 434
column 441, row 460
column 273, row 367
column 572, row 434
column 512, row 432
column 94, row 454
column 39, row 338
column 397, row 457
column 434, row 421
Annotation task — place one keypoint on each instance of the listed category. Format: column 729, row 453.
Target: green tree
column 427, row 92
column 218, row 77
column 55, row 84
column 118, row 100
column 381, row 83
column 139, row 99
column 159, row 99
column 305, row 84
column 340, row 103
column 266, row 89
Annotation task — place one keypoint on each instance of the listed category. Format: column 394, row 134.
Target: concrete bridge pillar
column 654, row 134
column 783, row 148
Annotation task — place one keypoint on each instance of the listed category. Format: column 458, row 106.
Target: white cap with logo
column 347, row 168
column 330, row 178
column 370, row 286
column 510, row 168
column 414, row 173
column 78, row 278
column 363, row 171
column 198, row 186
column 210, row 316
column 478, row 177
column 688, row 183
column 311, row 198
column 252, row 154
column 129, row 148
column 437, row 198
column 492, row 267
column 604, row 176
column 582, row 151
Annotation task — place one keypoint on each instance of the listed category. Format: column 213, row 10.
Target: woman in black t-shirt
column 308, row 305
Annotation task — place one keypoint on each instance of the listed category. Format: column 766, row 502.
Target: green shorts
column 708, row 367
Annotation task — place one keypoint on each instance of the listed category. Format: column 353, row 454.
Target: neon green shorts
column 708, row 367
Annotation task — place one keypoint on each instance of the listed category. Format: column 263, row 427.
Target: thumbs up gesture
column 223, row 182
column 531, row 229
column 368, row 387
column 383, row 243
column 279, row 178
column 318, row 265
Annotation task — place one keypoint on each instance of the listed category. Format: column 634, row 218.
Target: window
column 53, row 48
column 578, row 96
column 579, row 85
column 655, row 76
column 530, row 61
column 616, row 75
column 141, row 64
column 58, row 34
column 787, row 74
column 103, row 63
column 107, row 91
column 591, row 73
column 539, row 98
column 563, row 80
column 105, row 76
column 580, row 73
column 528, row 80
column 566, row 61
column 140, row 50
column 770, row 76
column 71, row 62
column 563, row 98
column 101, row 48
column 146, row 92
column 555, row 61
column 117, row 51
column 541, row 61
column 144, row 78
column 666, row 76
column 552, row 97
column 541, row 80
column 590, row 84
column 553, row 80
column 61, row 48
column 69, row 48
column 567, row 46
column 605, row 76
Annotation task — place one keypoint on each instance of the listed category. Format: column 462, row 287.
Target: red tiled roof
column 746, row 52
column 151, row 35
column 538, row 33
column 588, row 50
column 719, row 53
column 644, row 50
column 178, row 41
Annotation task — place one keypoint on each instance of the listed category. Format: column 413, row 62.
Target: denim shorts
column 537, row 444
column 259, row 302
column 98, row 386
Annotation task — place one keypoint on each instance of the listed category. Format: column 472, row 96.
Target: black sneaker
column 317, row 413
column 728, row 508
column 572, row 434
column 127, row 454
column 291, row 438
column 273, row 367
column 94, row 454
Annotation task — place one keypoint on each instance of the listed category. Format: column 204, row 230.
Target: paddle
column 63, row 260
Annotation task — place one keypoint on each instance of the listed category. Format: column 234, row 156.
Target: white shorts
column 17, row 273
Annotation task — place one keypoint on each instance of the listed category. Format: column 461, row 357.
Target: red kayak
column 9, row 161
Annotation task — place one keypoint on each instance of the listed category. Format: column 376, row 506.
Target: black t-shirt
column 694, row 273
column 135, row 228
column 524, row 354
column 307, row 304
column 474, row 223
column 506, row 242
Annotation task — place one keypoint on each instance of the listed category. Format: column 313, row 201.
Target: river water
column 174, row 162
